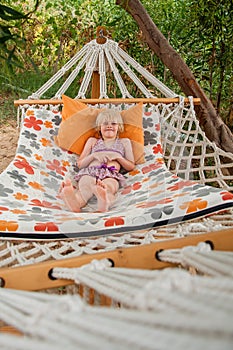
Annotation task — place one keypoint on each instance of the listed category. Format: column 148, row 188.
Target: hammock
column 123, row 307
column 148, row 309
column 170, row 187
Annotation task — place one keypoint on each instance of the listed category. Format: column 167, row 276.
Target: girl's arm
column 86, row 157
column 128, row 161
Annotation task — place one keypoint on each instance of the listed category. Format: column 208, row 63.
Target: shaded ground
column 9, row 135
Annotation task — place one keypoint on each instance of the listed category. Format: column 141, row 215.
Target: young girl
column 99, row 164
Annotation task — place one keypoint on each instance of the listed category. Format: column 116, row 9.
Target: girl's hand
column 100, row 156
column 112, row 155
column 104, row 157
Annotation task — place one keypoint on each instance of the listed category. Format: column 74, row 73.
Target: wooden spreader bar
column 93, row 101
column 37, row 276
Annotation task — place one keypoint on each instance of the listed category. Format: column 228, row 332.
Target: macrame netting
column 146, row 309
column 188, row 151
column 104, row 58
column 19, row 253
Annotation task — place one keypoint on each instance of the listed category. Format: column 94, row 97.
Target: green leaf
column 7, row 13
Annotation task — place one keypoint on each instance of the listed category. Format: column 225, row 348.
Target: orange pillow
column 133, row 130
column 76, row 127
column 74, row 131
column 71, row 106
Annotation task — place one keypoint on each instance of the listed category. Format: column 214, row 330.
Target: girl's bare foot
column 67, row 194
column 102, row 196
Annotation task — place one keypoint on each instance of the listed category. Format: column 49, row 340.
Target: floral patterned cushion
column 153, row 197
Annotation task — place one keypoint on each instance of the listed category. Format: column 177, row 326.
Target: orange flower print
column 23, row 164
column 44, row 173
column 11, row 226
column 114, row 221
column 32, row 122
column 36, row 186
column 45, row 142
column 18, row 211
column 160, row 160
column 29, row 112
column 134, row 172
column 194, row 205
column 46, row 226
column 38, row 157
column 48, row 124
column 21, row 197
column 65, row 163
column 56, row 166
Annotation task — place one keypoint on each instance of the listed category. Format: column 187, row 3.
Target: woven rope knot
column 54, row 309
column 167, row 281
column 200, row 247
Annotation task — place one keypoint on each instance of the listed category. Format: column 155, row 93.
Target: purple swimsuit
column 116, row 147
column 103, row 171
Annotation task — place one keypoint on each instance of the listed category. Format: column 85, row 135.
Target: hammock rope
column 202, row 258
column 188, row 151
column 124, row 92
column 157, row 308
column 40, row 92
column 149, row 289
column 72, row 76
column 148, row 76
column 107, row 55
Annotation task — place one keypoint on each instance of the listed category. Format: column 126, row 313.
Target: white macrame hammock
column 146, row 309
column 187, row 152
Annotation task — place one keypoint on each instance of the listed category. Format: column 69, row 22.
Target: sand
column 9, row 135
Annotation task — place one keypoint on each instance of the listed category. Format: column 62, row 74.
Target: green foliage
column 10, row 37
column 8, row 15
column 211, row 29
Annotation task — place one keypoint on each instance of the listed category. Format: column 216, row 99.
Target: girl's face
column 109, row 130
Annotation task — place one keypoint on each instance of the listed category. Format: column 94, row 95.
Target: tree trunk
column 213, row 125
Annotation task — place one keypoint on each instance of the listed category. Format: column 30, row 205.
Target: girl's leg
column 86, row 186
column 105, row 193
column 104, row 190
column 77, row 199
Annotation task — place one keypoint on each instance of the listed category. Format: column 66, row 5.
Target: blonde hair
column 110, row 115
